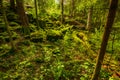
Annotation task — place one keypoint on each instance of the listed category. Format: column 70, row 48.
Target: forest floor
column 54, row 52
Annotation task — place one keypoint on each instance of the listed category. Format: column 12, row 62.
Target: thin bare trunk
column 62, row 11
column 1, row 3
column 8, row 30
column 108, row 26
column 73, row 8
column 89, row 18
column 36, row 12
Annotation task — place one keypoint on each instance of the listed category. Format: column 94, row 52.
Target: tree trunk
column 8, row 30
column 73, row 8
column 70, row 8
column 12, row 5
column 108, row 26
column 89, row 20
column 62, row 11
column 23, row 17
column 1, row 3
column 36, row 12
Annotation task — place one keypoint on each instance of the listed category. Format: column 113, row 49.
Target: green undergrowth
column 58, row 54
column 55, row 51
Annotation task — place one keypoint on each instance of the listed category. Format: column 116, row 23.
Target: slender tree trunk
column 73, row 8
column 89, row 20
column 62, row 11
column 7, row 27
column 36, row 12
column 12, row 5
column 108, row 26
column 1, row 3
column 23, row 17
column 70, row 8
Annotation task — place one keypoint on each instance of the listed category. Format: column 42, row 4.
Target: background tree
column 89, row 19
column 36, row 12
column 12, row 5
column 1, row 3
column 8, row 29
column 23, row 16
column 109, row 23
column 62, row 11
column 73, row 8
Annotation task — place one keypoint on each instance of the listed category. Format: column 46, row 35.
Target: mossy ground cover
column 55, row 52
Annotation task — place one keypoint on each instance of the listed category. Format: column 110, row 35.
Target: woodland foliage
column 42, row 47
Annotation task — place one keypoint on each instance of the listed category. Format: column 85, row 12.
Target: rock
column 54, row 38
column 36, row 40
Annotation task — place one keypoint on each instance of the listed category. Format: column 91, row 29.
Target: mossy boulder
column 54, row 35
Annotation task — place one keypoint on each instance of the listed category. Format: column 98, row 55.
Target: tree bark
column 108, row 26
column 1, row 3
column 73, row 8
column 62, row 11
column 12, row 5
column 36, row 12
column 23, row 17
column 7, row 27
column 89, row 20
